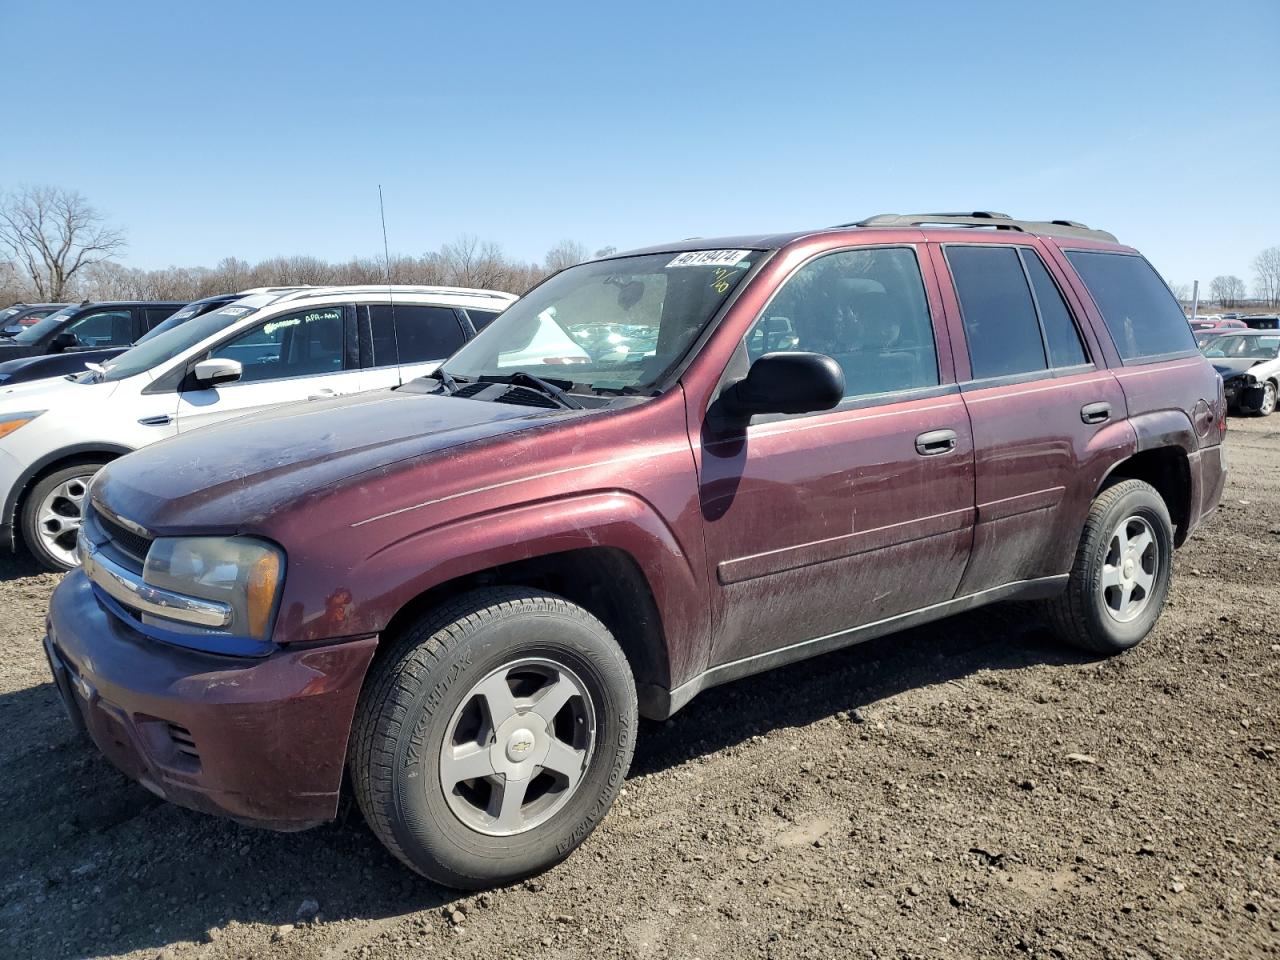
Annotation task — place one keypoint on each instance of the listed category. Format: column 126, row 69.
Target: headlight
column 13, row 421
column 244, row 573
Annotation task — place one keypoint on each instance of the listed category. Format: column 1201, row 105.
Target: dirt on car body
column 966, row 789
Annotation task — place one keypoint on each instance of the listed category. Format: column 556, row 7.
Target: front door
column 304, row 355
column 820, row 523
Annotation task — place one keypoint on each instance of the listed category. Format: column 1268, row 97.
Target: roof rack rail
column 986, row 218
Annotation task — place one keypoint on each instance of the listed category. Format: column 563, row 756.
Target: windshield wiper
column 522, row 378
column 443, row 375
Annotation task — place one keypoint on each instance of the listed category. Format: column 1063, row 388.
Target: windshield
column 609, row 325
column 1254, row 348
column 165, row 346
column 6, row 314
column 37, row 330
column 183, row 315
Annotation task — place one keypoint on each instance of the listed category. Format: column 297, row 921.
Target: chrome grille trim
column 128, row 588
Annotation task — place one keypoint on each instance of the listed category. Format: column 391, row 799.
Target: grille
column 184, row 745
column 125, row 540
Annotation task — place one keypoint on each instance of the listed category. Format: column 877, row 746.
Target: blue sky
column 217, row 129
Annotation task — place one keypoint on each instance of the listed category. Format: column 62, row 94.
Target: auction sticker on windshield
column 709, row 258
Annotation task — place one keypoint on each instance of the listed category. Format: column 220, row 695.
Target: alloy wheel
column 1130, row 569
column 60, row 516
column 517, row 747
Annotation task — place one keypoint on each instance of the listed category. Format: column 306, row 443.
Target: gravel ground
column 964, row 790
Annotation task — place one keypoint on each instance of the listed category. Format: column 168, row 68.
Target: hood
column 53, row 364
column 1233, row 366
column 221, row 478
column 51, row 393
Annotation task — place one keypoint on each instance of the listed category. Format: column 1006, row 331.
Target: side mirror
column 210, row 373
column 786, row 382
column 63, row 341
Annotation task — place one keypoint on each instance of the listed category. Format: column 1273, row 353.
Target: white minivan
column 256, row 353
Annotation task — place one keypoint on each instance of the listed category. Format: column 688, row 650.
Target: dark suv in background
column 655, row 473
column 14, row 319
column 88, row 326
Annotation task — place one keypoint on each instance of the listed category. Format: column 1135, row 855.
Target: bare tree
column 1182, row 291
column 1227, row 290
column 566, row 253
column 1266, row 275
column 54, row 234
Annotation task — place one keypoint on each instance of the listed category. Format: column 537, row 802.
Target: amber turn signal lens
column 264, row 577
column 9, row 426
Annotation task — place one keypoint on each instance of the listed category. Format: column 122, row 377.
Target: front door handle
column 324, row 393
column 935, row 442
column 1099, row 412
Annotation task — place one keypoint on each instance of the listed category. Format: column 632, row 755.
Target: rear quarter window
column 1141, row 314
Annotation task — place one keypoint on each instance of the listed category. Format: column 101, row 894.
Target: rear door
column 307, row 354
column 425, row 335
column 819, row 523
column 1047, row 415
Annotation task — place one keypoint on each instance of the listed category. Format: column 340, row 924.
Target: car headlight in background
column 12, row 421
column 244, row 573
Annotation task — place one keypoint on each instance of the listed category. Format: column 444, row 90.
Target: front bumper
column 259, row 740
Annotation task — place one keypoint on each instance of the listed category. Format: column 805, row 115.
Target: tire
column 421, row 714
column 1267, row 405
column 56, row 499
column 1101, row 621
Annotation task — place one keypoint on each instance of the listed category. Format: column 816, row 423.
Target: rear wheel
column 493, row 737
column 1120, row 578
column 52, row 513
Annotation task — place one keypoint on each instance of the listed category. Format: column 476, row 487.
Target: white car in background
column 251, row 355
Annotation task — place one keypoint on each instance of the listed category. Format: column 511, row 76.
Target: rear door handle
column 935, row 442
column 1099, row 412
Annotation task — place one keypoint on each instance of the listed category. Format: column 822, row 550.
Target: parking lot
column 966, row 789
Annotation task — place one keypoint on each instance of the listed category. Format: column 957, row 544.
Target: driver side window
column 306, row 343
column 110, row 328
column 864, row 308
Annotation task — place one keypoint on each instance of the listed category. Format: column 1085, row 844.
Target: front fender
column 371, row 592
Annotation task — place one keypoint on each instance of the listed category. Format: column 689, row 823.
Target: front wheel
column 493, row 737
column 1267, row 405
column 1120, row 578
column 52, row 513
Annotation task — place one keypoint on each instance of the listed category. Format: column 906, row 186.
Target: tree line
column 55, row 246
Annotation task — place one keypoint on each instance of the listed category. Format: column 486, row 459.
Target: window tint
column 1140, row 312
column 425, row 333
column 109, row 328
column 383, row 335
column 1065, row 348
column 481, row 318
column 306, row 343
column 866, row 309
column 1000, row 322
column 157, row 315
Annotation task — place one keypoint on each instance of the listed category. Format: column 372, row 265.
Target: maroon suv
column 657, row 472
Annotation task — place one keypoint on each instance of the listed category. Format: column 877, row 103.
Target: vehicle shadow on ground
column 121, row 871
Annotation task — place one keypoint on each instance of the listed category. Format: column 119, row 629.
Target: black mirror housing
column 787, row 382
column 63, row 341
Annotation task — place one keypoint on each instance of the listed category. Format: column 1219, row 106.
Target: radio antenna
column 386, row 259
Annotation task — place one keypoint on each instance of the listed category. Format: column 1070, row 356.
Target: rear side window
column 157, row 315
column 426, row 333
column 999, row 315
column 1138, row 309
column 481, row 318
column 1060, row 333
